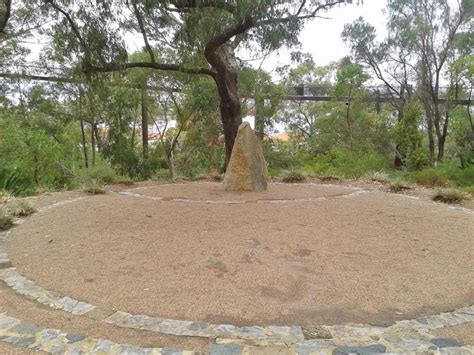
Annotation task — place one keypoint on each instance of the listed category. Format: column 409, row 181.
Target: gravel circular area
column 365, row 258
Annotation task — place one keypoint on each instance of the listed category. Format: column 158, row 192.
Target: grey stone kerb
column 401, row 336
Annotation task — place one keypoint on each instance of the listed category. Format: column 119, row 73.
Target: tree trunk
column 259, row 119
column 442, row 138
column 170, row 163
column 223, row 61
column 93, row 144
column 83, row 135
column 144, row 125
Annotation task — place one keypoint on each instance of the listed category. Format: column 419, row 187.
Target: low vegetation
column 6, row 220
column 449, row 196
column 94, row 187
column 19, row 208
column 294, row 177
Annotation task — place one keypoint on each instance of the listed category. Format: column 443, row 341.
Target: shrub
column 377, row 176
column 398, row 186
column 94, row 187
column 448, row 196
column 294, row 177
column 5, row 196
column 6, row 221
column 347, row 164
column 126, row 182
column 101, row 173
column 445, row 175
column 19, row 208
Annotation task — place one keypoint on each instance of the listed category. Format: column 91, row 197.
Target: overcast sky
column 322, row 38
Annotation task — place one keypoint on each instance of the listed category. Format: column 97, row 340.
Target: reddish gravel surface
column 365, row 258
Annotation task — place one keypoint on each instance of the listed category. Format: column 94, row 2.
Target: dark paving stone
column 360, row 350
column 226, row 349
column 383, row 324
column 170, row 352
column 445, row 342
column 26, row 329
column 422, row 320
column 24, row 342
column 73, row 338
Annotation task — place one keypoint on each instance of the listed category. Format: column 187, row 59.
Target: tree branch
column 142, row 30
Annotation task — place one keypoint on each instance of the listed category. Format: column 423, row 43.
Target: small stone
column 247, row 169
column 316, row 332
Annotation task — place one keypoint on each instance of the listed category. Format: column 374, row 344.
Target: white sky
column 322, row 38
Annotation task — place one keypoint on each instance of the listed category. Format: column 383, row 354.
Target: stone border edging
column 54, row 341
column 391, row 337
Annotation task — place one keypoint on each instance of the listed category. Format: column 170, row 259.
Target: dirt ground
column 366, row 258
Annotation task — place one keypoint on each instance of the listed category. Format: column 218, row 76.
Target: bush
column 377, row 176
column 444, row 175
column 100, row 174
column 448, row 196
column 398, row 186
column 94, row 187
column 19, row 208
column 6, row 221
column 346, row 164
column 294, row 177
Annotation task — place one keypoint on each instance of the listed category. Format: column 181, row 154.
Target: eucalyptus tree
column 431, row 27
column 419, row 47
column 203, row 35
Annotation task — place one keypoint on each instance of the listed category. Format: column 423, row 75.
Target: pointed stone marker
column 247, row 169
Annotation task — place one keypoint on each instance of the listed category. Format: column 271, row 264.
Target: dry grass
column 294, row 177
column 378, row 176
column 329, row 178
column 6, row 221
column 94, row 187
column 5, row 196
column 19, row 208
column 449, row 196
column 399, row 186
column 126, row 182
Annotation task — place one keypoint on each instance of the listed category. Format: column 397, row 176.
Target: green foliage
column 406, row 133
column 444, row 175
column 102, row 173
column 346, row 164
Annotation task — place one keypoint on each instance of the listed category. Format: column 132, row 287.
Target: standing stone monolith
column 247, row 169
